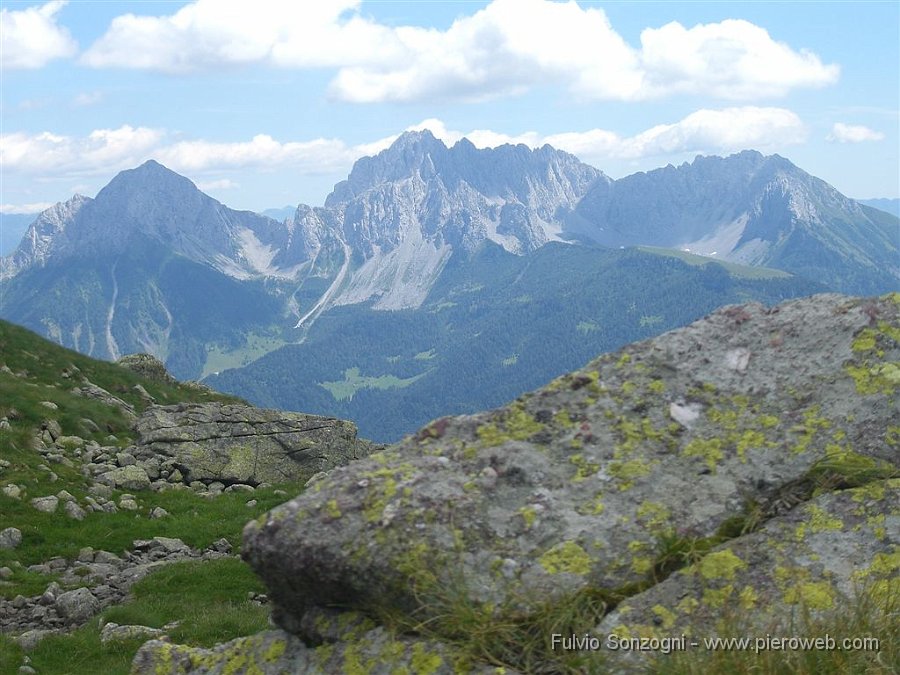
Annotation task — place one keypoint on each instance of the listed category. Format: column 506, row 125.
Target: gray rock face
column 817, row 557
column 235, row 443
column 751, row 209
column 405, row 211
column 577, row 485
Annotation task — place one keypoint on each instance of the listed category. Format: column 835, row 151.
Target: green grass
column 196, row 520
column 741, row 271
column 209, row 599
column 345, row 389
column 44, row 371
column 256, row 346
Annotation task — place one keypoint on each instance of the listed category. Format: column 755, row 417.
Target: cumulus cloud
column 703, row 131
column 218, row 184
column 209, row 33
column 853, row 133
column 101, row 150
column 506, row 48
column 733, row 59
column 31, row 37
column 105, row 150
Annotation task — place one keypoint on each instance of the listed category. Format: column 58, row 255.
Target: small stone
column 74, row 511
column 89, row 424
column 130, row 477
column 221, row 545
column 10, row 538
column 113, row 632
column 158, row 512
column 45, row 504
column 252, row 503
column 50, row 405
column 128, row 504
column 240, row 487
column 107, row 558
column 125, row 459
column 30, row 639
column 171, row 545
column 13, row 491
column 77, row 606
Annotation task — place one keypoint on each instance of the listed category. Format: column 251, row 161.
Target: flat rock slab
column 577, row 485
column 235, row 443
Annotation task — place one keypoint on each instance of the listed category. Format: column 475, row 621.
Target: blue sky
column 268, row 103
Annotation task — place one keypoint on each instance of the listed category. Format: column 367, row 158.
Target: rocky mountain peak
column 412, row 152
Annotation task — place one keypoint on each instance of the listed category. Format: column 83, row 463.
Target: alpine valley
column 434, row 280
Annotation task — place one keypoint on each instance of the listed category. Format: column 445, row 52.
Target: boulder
column 148, row 366
column 74, row 511
column 45, row 504
column 130, row 477
column 10, row 537
column 77, row 606
column 113, row 632
column 90, row 390
column 236, row 443
column 582, row 485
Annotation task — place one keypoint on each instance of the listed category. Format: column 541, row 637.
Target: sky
column 268, row 103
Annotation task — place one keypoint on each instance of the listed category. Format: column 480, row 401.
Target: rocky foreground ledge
column 764, row 440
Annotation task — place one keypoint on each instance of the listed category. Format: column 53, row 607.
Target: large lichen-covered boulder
column 236, row 443
column 579, row 484
column 837, row 551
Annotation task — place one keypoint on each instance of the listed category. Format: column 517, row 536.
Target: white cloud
column 218, row 184
column 31, row 38
column 262, row 151
column 852, row 133
column 703, row 131
column 104, row 150
column 733, row 59
column 210, row 33
column 506, row 48
column 718, row 131
column 26, row 209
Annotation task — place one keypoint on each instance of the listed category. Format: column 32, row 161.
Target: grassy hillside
column 208, row 598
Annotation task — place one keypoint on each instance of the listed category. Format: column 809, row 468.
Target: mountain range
column 433, row 280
